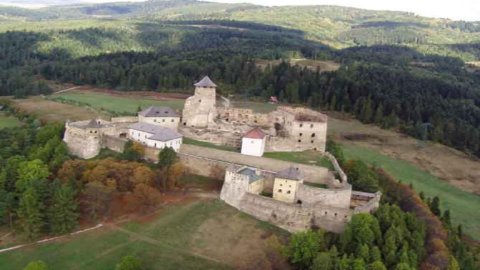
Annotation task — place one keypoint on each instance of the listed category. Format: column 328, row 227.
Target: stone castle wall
column 85, row 143
column 313, row 196
column 113, row 143
column 294, row 217
column 201, row 159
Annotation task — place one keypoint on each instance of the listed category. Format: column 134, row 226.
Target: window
column 325, row 213
column 154, row 120
column 311, row 141
column 299, row 201
column 301, row 125
column 280, row 190
column 336, row 214
column 184, row 123
column 199, row 101
column 173, row 120
column 301, row 134
column 313, row 135
column 288, row 192
column 281, row 185
column 311, row 126
column 299, row 140
column 163, row 120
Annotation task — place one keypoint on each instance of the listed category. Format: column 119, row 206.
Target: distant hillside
column 337, row 27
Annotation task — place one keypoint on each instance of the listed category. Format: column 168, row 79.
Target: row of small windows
column 312, row 141
column 311, row 125
column 163, row 120
column 280, row 191
column 93, row 131
column 301, row 134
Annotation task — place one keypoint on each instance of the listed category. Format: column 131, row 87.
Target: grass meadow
column 181, row 236
column 464, row 206
column 116, row 104
column 8, row 121
column 306, row 157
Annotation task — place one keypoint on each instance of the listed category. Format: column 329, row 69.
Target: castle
column 285, row 197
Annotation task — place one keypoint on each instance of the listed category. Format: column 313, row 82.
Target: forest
column 426, row 96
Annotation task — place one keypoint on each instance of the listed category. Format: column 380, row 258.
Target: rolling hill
column 338, row 27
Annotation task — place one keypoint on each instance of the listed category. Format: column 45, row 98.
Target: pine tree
column 31, row 213
column 63, row 211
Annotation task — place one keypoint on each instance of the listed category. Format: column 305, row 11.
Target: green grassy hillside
column 338, row 27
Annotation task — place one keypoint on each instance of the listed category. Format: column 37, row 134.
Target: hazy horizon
column 468, row 10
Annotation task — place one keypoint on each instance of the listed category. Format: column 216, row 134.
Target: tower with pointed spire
column 200, row 109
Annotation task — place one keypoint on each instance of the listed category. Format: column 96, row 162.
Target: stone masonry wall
column 313, row 196
column 294, row 217
column 113, row 143
column 313, row 174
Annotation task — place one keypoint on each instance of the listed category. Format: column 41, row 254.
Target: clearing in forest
column 435, row 169
column 115, row 103
column 8, row 121
column 200, row 234
column 50, row 111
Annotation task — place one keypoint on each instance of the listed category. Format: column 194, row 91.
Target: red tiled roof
column 255, row 133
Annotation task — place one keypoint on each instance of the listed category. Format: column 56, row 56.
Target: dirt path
column 143, row 238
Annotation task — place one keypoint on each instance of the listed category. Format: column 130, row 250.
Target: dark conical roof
column 205, row 82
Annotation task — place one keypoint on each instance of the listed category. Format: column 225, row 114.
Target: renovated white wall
column 253, row 147
column 143, row 138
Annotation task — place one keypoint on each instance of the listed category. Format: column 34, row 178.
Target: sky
column 468, row 10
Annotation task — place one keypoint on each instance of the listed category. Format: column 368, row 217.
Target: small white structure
column 253, row 143
column 160, row 116
column 155, row 136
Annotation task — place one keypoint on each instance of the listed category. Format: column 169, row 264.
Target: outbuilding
column 155, row 136
column 253, row 142
column 160, row 116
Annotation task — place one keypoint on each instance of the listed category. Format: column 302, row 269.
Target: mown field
column 8, row 121
column 193, row 235
column 464, row 206
column 116, row 104
column 305, row 157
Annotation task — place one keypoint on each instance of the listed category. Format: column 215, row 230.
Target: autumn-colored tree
column 72, row 170
column 143, row 175
column 175, row 172
column 147, row 196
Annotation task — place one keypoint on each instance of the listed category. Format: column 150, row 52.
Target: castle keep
column 286, row 128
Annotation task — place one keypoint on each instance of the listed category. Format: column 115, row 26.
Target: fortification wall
column 81, row 142
column 244, row 116
column 373, row 201
column 313, row 196
column 234, row 188
column 124, row 119
column 294, row 217
column 290, row 217
column 330, row 218
column 113, row 143
column 336, row 166
column 313, row 174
